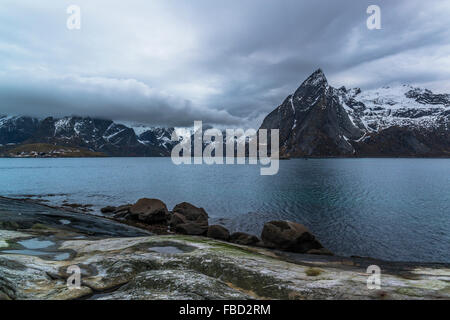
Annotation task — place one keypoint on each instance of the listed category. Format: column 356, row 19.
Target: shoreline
column 121, row 262
column 158, row 231
column 281, row 158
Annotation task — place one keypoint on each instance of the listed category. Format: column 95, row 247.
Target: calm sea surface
column 394, row 209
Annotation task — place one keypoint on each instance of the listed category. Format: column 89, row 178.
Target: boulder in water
column 189, row 219
column 289, row 236
column 151, row 211
column 108, row 209
column 218, row 232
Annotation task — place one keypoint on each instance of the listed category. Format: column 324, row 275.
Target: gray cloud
column 224, row 62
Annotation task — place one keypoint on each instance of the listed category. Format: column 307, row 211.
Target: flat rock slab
column 190, row 267
column 19, row 214
column 200, row 268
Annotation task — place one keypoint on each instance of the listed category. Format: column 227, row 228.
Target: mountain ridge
column 97, row 135
column 316, row 120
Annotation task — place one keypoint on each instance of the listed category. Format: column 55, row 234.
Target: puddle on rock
column 37, row 247
column 65, row 222
column 35, row 243
column 46, row 255
column 61, row 256
column 26, row 252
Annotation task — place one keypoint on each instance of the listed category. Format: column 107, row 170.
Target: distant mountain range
column 317, row 120
column 101, row 136
column 321, row 121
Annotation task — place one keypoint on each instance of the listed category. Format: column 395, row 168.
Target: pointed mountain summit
column 318, row 120
column 312, row 122
column 316, row 79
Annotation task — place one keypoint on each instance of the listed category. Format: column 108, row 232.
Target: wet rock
column 125, row 207
column 121, row 215
column 130, row 265
column 151, row 211
column 244, row 238
column 191, row 213
column 218, row 232
column 191, row 228
column 176, row 219
column 200, row 268
column 122, row 211
column 189, row 219
column 289, row 236
column 322, row 251
column 21, row 215
column 108, row 209
column 77, row 206
column 176, row 285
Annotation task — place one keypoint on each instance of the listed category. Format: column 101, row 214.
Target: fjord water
column 393, row 209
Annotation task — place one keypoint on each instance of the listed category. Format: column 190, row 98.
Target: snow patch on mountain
column 403, row 106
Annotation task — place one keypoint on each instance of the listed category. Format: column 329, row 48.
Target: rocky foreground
column 38, row 244
column 187, row 219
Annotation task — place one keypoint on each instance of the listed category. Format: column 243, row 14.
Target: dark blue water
column 395, row 209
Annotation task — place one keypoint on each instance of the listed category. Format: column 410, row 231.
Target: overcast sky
column 228, row 63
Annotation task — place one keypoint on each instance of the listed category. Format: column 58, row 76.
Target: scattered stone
column 289, row 236
column 122, row 211
column 244, row 238
column 191, row 228
column 108, row 209
column 125, row 207
column 218, row 232
column 121, row 215
column 189, row 219
column 192, row 213
column 151, row 211
column 120, row 262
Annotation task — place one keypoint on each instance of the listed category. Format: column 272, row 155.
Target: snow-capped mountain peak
column 319, row 120
column 401, row 105
column 99, row 135
column 316, row 79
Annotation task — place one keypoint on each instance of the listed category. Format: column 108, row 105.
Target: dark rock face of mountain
column 105, row 136
column 317, row 120
column 321, row 121
column 160, row 137
column 17, row 130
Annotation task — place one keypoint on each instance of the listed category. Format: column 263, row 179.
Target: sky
column 228, row 63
